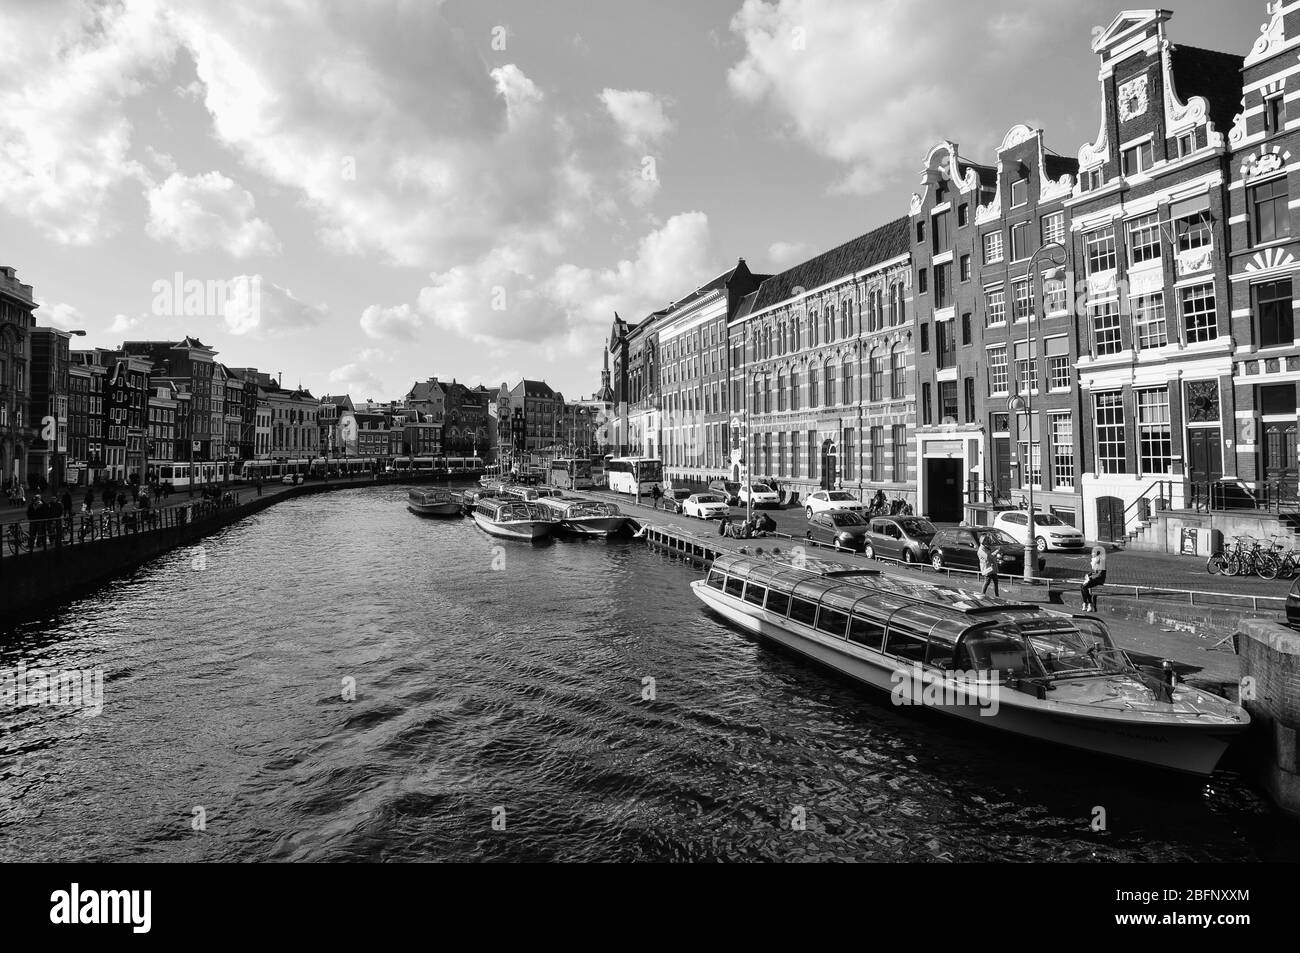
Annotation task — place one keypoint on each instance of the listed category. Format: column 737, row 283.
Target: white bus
column 572, row 474
column 634, row 474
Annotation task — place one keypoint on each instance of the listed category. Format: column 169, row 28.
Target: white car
column 759, row 494
column 705, row 506
column 1052, row 531
column 836, row 501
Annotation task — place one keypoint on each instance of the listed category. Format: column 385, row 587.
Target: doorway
column 1110, row 519
column 943, row 501
column 1279, row 452
column 1204, row 455
column 1001, row 468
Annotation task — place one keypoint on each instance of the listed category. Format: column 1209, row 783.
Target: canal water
column 499, row 714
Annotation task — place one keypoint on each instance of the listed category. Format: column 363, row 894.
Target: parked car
column 290, row 479
column 841, row 530
column 1293, row 605
column 905, row 538
column 823, row 501
column 729, row 490
column 674, row 498
column 705, row 506
column 1052, row 531
column 760, row 494
column 956, row 549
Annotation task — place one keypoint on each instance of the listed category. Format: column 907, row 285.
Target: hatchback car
column 1052, row 531
column 729, row 490
column 759, row 494
column 823, row 501
column 841, row 530
column 958, row 549
column 673, row 499
column 905, row 538
column 705, row 506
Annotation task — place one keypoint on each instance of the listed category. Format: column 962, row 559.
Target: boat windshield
column 1051, row 648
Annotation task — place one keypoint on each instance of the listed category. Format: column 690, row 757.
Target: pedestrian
column 121, row 502
column 988, row 558
column 1095, row 578
column 107, row 497
column 88, row 503
column 259, row 486
column 67, row 504
column 656, row 494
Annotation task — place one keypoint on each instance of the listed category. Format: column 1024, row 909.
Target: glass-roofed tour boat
column 586, row 517
column 433, row 502
column 1024, row 668
column 514, row 519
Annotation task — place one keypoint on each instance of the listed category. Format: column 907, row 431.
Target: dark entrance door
column 1279, row 452
column 943, row 490
column 830, row 472
column 1002, row 468
column 1204, row 455
column 1110, row 519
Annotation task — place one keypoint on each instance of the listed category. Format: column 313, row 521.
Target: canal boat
column 433, row 502
column 514, row 519
column 1023, row 668
column 586, row 517
column 531, row 493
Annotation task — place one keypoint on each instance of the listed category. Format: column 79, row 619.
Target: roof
column 881, row 244
column 535, row 389
column 1208, row 73
column 425, row 390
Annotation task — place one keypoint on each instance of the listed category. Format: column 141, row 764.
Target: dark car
column 843, row 530
column 727, row 489
column 958, row 549
column 1293, row 605
column 674, row 498
column 905, row 538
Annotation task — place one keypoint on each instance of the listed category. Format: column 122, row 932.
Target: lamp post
column 1031, row 539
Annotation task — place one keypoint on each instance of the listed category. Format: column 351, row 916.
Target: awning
column 1192, row 206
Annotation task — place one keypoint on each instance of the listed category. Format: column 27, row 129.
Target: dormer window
column 1136, row 159
column 1019, row 192
column 1092, row 180
column 1274, row 114
column 1186, row 143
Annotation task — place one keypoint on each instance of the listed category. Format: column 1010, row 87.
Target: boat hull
column 529, row 530
column 450, row 508
column 601, row 526
column 1144, row 737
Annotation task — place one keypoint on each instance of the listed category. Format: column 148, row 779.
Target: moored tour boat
column 1025, row 669
column 433, row 502
column 586, row 517
column 514, row 519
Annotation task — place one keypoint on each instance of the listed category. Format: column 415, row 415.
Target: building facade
column 16, row 324
column 47, row 456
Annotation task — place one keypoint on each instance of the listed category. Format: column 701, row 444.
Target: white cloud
column 784, row 254
column 260, row 308
column 208, row 211
column 59, row 315
column 123, row 325
column 640, row 116
column 399, row 322
column 356, row 379
column 862, row 83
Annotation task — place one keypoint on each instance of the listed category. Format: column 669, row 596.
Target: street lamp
column 1026, row 469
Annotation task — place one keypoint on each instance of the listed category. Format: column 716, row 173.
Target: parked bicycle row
column 27, row 536
column 1248, row 556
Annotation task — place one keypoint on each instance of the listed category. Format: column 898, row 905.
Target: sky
column 361, row 195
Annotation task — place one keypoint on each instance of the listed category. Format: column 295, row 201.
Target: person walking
column 657, row 494
column 88, row 503
column 1095, row 578
column 988, row 558
column 67, row 504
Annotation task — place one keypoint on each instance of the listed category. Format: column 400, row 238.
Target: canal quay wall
column 39, row 581
column 1270, row 691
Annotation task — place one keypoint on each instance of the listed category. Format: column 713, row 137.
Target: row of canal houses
column 1110, row 329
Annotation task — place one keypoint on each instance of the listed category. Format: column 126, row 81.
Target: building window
column 1269, row 204
column 1061, row 428
column 995, row 307
column 1193, row 232
column 925, row 338
column 1054, row 228
column 1186, row 144
column 877, row 454
column 999, row 382
column 898, row 373
column 948, row 409
column 780, row 390
column 846, row 454
column 945, row 350
column 1022, row 300
column 877, row 373
column 899, row 434
column 1092, row 179
column 1019, row 241
column 812, row 454
column 922, row 283
column 846, row 383
column 1274, row 114
column 1155, row 440
column 993, row 248
column 1144, row 239
column 1059, row 373
column 1055, row 296
column 1274, row 312
column 963, row 215
column 965, row 267
column 794, row 453
column 1019, row 192
column 968, row 385
column 965, row 328
column 1108, row 412
column 920, row 232
column 794, row 389
column 1149, row 320
column 1031, row 456
column 1101, row 250
column 1199, row 320
column 940, row 237
column 943, row 285
column 812, row 385
column 1135, row 159
column 1105, row 328
column 1026, row 367
column 828, row 377
column 926, row 413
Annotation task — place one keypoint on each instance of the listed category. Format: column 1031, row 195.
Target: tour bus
column 634, row 474
column 570, row 474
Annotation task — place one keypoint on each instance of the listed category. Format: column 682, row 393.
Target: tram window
column 832, row 622
column 801, row 610
column 940, row 654
column 777, row 602
column 867, row 632
column 715, row 580
column 735, row 586
column 755, row 594
column 905, row 645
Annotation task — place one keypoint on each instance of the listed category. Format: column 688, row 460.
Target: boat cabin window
column 801, row 610
column 832, row 622
column 993, row 651
column 906, row 645
column 735, row 586
column 940, row 654
column 778, row 602
column 715, row 579
column 867, row 631
column 755, row 594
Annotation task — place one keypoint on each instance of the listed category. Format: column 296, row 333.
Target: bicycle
column 1255, row 559
column 19, row 539
column 1227, row 561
